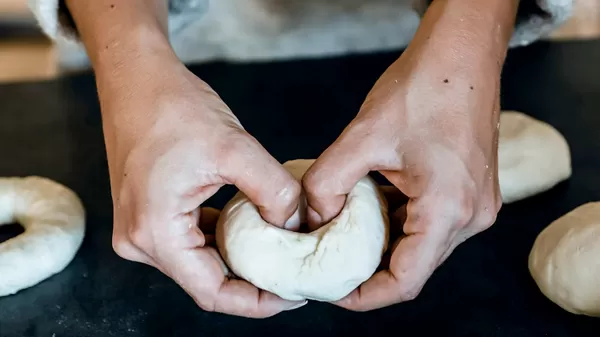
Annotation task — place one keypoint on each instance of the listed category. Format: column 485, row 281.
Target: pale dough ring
column 533, row 157
column 565, row 260
column 324, row 265
column 54, row 222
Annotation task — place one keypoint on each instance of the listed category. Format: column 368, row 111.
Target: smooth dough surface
column 324, row 265
column 533, row 157
column 565, row 260
column 54, row 222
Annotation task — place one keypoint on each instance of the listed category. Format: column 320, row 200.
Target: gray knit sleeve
column 55, row 20
column 535, row 19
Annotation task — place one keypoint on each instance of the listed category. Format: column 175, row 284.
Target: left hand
column 430, row 126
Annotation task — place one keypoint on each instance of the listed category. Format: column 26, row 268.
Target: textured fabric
column 535, row 19
column 246, row 30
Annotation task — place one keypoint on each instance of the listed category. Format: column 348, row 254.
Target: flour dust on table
column 54, row 221
column 324, row 265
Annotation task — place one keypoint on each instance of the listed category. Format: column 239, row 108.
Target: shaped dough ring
column 533, row 157
column 324, row 265
column 54, row 222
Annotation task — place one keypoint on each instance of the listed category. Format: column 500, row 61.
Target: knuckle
column 357, row 308
column 120, row 246
column 204, row 301
column 314, row 185
column 123, row 248
column 410, row 293
column 136, row 235
column 288, row 193
column 235, row 141
column 209, row 306
column 353, row 303
column 488, row 212
column 498, row 202
column 460, row 209
column 487, row 219
column 465, row 209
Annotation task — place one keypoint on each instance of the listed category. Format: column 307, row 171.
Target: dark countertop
column 53, row 129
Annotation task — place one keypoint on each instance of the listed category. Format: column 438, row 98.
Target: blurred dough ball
column 565, row 260
column 533, row 157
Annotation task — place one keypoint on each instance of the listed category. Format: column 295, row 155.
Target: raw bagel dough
column 324, row 265
column 532, row 157
column 565, row 260
column 54, row 222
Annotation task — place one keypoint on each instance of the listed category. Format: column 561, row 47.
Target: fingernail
column 293, row 223
column 313, row 217
column 296, row 306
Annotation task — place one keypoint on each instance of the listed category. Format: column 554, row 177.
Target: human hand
column 430, row 126
column 171, row 144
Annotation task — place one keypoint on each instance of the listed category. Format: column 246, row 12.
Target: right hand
column 171, row 144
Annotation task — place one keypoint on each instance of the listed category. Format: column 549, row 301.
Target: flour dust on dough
column 533, row 157
column 54, row 222
column 324, row 265
column 565, row 260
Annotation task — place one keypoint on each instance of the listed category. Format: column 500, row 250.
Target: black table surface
column 296, row 109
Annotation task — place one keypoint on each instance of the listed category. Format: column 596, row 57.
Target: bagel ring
column 54, row 222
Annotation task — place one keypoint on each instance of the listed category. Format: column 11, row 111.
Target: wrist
column 122, row 86
column 474, row 33
column 118, row 35
column 132, row 54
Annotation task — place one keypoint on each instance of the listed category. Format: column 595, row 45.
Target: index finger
column 335, row 173
column 263, row 180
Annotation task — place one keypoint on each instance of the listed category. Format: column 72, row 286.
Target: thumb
column 263, row 180
column 333, row 175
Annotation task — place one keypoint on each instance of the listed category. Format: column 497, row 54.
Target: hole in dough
column 303, row 228
column 10, row 231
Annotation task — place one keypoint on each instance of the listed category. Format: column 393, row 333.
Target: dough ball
column 324, row 265
column 532, row 157
column 565, row 260
column 54, row 222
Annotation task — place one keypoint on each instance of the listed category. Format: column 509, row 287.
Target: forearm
column 458, row 52
column 117, row 33
column 472, row 34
